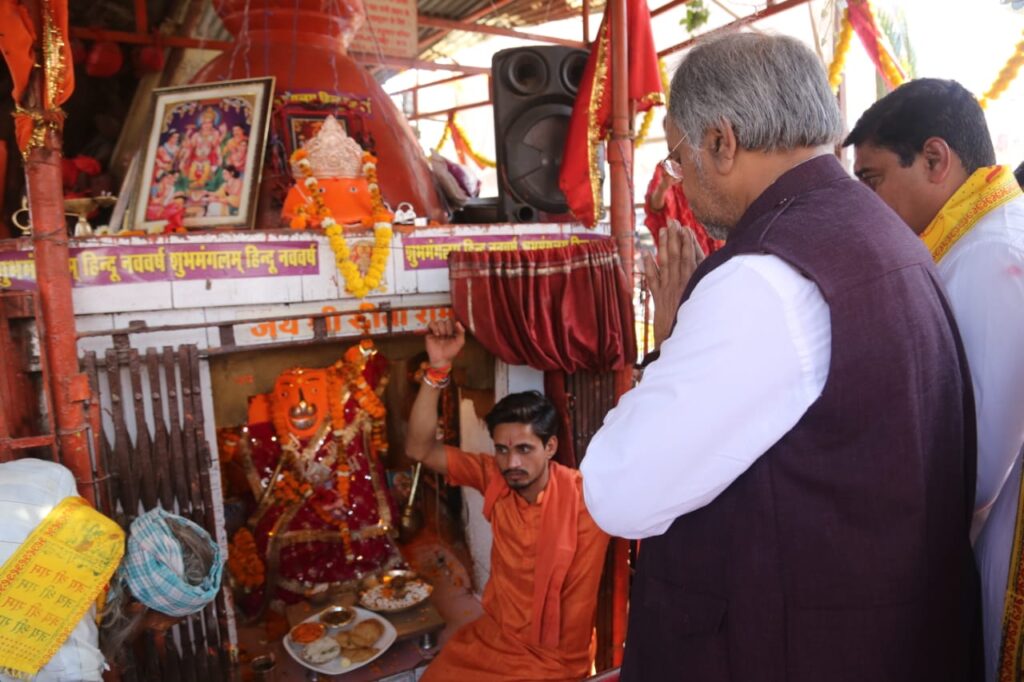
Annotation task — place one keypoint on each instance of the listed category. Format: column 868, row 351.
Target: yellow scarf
column 987, row 189
column 50, row 582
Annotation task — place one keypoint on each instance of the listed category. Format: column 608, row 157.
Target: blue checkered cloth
column 153, row 567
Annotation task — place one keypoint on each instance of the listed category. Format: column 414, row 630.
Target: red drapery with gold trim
column 557, row 310
column 580, row 176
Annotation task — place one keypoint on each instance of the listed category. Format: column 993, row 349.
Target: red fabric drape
column 558, row 310
column 563, row 309
column 579, row 176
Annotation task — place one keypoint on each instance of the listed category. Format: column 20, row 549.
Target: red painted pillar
column 620, row 160
column 69, row 387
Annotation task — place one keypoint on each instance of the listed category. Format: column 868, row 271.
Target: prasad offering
column 363, row 639
column 304, row 633
column 396, row 595
column 321, row 650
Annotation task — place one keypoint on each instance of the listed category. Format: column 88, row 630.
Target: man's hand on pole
column 679, row 254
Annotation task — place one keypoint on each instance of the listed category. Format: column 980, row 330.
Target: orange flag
column 580, row 175
column 16, row 38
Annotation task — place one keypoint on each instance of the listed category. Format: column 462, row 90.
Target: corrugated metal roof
column 515, row 14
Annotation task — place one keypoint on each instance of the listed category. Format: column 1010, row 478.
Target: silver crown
column 332, row 153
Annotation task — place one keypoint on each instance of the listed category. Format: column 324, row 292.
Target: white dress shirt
column 29, row 489
column 984, row 278
column 749, row 354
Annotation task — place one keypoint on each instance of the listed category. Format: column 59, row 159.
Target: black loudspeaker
column 533, row 90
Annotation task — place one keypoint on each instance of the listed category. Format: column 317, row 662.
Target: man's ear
column 939, row 159
column 721, row 144
column 551, row 447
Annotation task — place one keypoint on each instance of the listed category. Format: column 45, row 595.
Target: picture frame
column 203, row 157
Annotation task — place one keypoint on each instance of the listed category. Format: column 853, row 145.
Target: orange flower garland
column 319, row 215
column 288, row 490
column 1006, row 76
column 244, row 561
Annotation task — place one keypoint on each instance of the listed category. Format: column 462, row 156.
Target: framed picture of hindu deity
column 300, row 115
column 202, row 161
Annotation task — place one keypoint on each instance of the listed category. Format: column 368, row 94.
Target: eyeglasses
column 670, row 166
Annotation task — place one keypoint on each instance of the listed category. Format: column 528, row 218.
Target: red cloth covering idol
column 580, row 176
column 324, row 515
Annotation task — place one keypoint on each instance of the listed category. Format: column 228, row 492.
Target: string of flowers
column 452, row 129
column 335, row 520
column 842, row 49
column 319, row 215
column 287, row 489
column 480, row 159
column 244, row 562
column 892, row 73
column 445, row 136
column 645, row 125
column 1006, row 76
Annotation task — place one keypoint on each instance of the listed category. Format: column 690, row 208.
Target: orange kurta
column 497, row 645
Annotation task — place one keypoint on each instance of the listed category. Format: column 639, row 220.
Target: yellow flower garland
column 1006, row 76
column 356, row 283
column 835, row 70
column 645, row 126
column 481, row 160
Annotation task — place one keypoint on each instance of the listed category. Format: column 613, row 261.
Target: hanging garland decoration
column 842, row 49
column 862, row 18
column 1006, row 76
column 463, row 148
column 445, row 136
column 320, row 216
column 645, row 126
column 244, row 561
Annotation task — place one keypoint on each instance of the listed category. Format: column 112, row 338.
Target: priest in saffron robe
column 547, row 555
column 925, row 150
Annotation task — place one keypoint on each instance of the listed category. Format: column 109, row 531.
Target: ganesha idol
column 312, row 453
column 336, row 170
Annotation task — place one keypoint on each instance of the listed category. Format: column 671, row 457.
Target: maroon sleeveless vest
column 842, row 554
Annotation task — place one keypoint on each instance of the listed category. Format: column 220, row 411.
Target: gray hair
column 772, row 90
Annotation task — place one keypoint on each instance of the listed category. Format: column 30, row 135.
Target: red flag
column 580, row 176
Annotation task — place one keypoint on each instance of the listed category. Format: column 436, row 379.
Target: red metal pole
column 69, row 387
column 620, row 160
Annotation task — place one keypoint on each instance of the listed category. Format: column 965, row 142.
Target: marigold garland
column 453, row 128
column 319, row 215
column 890, row 70
column 244, row 561
column 842, row 49
column 1006, row 76
column 645, row 125
column 288, row 490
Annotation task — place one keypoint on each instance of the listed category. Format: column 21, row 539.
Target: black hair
column 923, row 108
column 1019, row 174
column 528, row 407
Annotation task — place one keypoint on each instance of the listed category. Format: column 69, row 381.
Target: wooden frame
column 203, row 157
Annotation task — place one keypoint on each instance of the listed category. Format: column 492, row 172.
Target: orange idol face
column 300, row 399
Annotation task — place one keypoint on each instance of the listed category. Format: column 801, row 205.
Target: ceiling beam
column 449, row 25
column 772, row 8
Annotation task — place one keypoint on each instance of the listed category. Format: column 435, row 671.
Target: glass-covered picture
column 202, row 161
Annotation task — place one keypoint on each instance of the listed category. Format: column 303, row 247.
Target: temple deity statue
column 322, row 516
column 335, row 160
